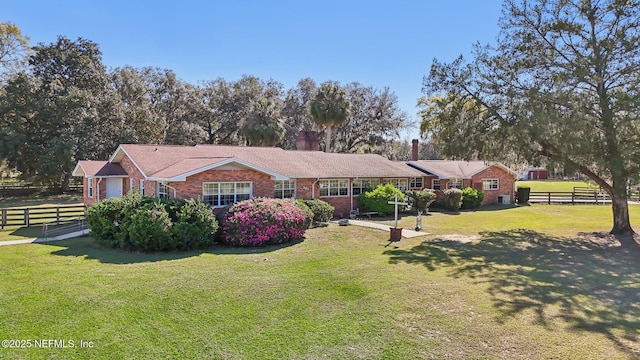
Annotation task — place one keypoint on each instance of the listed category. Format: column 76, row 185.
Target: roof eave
column 183, row 177
column 78, row 170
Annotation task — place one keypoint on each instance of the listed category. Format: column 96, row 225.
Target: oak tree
column 561, row 83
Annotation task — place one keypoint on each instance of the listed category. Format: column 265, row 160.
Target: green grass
column 343, row 293
column 558, row 220
column 22, row 232
column 40, row 200
column 553, row 185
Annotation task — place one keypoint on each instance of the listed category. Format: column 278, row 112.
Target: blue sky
column 376, row 43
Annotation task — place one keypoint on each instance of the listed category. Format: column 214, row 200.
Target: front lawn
column 554, row 185
column 558, row 220
column 343, row 293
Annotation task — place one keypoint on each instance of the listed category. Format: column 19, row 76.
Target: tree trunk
column 64, row 182
column 620, row 207
column 327, row 139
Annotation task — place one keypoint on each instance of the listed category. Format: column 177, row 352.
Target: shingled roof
column 176, row 162
column 98, row 169
column 454, row 169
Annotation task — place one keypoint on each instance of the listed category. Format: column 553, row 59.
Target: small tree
column 421, row 200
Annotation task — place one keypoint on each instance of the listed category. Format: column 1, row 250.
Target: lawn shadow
column 589, row 284
column 26, row 232
column 86, row 247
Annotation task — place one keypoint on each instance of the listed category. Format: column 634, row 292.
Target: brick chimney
column 414, row 150
column 307, row 140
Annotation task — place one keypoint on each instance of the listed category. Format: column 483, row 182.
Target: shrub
column 103, row 220
column 147, row 224
column 523, row 194
column 150, row 229
column 421, row 200
column 131, row 204
column 377, row 200
column 453, row 198
column 300, row 203
column 263, row 221
column 471, row 198
column 195, row 225
column 322, row 211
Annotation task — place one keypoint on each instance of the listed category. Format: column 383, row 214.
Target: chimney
column 414, row 150
column 307, row 140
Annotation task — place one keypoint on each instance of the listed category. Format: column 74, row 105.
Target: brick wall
column 506, row 183
column 85, row 192
column 192, row 188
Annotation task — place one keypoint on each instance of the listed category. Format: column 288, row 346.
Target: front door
column 114, row 187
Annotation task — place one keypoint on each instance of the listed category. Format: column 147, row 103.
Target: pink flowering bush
column 263, row 221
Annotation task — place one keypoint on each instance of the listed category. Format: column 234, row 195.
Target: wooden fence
column 13, row 189
column 40, row 215
column 577, row 196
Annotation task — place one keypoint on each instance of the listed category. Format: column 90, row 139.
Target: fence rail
column 40, row 215
column 570, row 197
column 8, row 189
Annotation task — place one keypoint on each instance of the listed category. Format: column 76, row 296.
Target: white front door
column 114, row 187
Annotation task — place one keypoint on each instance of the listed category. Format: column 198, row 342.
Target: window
column 454, row 183
column 361, row 185
column 90, row 187
column 131, row 185
column 284, row 189
column 490, row 184
column 334, row 187
column 218, row 194
column 162, row 192
column 416, row 182
column 435, row 184
column 141, row 187
column 398, row 183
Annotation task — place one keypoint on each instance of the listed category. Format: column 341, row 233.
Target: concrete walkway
column 42, row 240
column 405, row 232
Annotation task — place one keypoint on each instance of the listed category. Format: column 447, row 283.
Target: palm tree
column 329, row 108
column 263, row 125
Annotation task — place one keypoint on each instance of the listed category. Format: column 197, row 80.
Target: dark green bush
column 472, row 198
column 322, row 211
column 150, row 229
column 377, row 200
column 103, row 219
column 453, row 198
column 420, row 200
column 523, row 194
column 131, row 204
column 195, row 226
column 149, row 224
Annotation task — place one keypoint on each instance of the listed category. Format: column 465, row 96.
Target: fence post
column 595, row 195
column 573, row 197
column 26, row 217
column 4, row 217
column 57, row 215
column 549, row 198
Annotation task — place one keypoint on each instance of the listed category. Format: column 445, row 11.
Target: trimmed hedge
column 263, row 221
column 148, row 224
column 322, row 211
column 523, row 193
column 471, row 198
